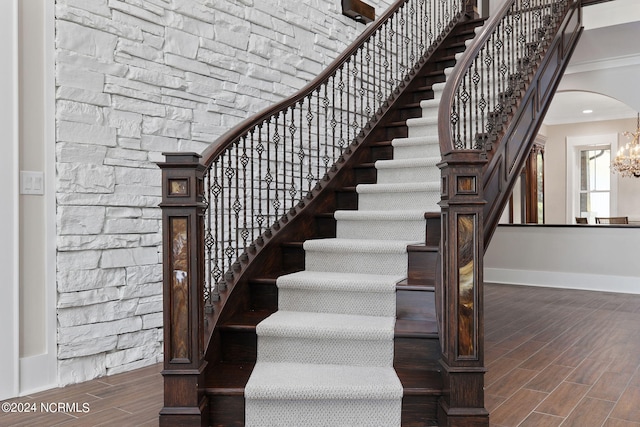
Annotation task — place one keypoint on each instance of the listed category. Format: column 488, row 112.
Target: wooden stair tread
column 396, row 124
column 263, row 281
column 422, row 248
column 365, row 165
column 246, row 321
column 325, row 215
column 293, row 244
column 381, row 143
column 409, row 285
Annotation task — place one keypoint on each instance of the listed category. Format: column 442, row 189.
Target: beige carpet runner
column 326, row 357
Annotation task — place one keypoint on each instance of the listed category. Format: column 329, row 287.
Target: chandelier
column 627, row 161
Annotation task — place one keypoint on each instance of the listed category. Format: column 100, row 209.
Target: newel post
column 183, row 210
column 461, row 297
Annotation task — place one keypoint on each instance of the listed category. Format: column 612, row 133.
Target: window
column 592, row 189
column 595, row 182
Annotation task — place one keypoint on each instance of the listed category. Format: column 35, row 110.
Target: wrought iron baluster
column 223, row 224
column 318, row 127
column 341, row 87
column 268, row 179
column 263, row 172
column 244, row 161
column 310, row 118
column 293, row 130
column 208, row 244
column 252, row 175
column 260, row 150
column 230, row 250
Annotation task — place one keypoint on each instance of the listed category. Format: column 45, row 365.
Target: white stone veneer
column 135, row 78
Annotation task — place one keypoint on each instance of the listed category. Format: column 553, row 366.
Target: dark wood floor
column 555, row 357
column 561, row 357
column 129, row 399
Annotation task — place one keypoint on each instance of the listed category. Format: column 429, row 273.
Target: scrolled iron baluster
column 229, row 173
column 310, row 161
column 265, row 170
column 260, row 219
column 318, row 139
column 218, row 261
column 208, row 244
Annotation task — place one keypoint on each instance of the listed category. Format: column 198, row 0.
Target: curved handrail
column 476, row 99
column 269, row 163
column 458, row 73
column 246, row 125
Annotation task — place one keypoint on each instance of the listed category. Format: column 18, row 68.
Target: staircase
column 372, row 266
column 344, row 311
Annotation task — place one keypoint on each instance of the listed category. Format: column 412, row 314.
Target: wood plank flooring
column 560, row 357
column 128, row 399
column 555, row 358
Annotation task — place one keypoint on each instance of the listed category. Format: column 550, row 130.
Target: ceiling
column 596, row 78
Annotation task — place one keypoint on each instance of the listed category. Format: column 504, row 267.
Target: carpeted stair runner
column 326, row 357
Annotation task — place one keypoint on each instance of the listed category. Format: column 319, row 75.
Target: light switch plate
column 31, row 182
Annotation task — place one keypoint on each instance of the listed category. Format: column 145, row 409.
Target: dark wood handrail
column 224, row 141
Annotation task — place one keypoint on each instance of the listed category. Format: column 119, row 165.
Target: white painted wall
column 38, row 352
column 599, row 258
column 557, row 207
column 9, row 302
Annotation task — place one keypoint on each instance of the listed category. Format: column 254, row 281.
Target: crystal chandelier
column 627, row 161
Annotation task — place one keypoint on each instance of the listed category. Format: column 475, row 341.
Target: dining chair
column 612, row 220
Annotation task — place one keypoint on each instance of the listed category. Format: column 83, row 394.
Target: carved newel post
column 183, row 210
column 462, row 334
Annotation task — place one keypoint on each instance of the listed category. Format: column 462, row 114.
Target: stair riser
column 412, row 174
column 384, row 230
column 338, row 412
column 226, row 411
column 239, row 346
column 419, row 129
column 365, row 175
column 415, row 305
column 292, row 259
column 346, row 200
column 419, row 411
column 396, row 132
column 264, row 297
column 416, row 151
column 430, row 110
column 407, row 113
column 422, row 353
column 381, row 152
column 325, row 227
column 424, row 265
column 329, row 301
column 330, row 351
column 426, row 200
column 362, row 263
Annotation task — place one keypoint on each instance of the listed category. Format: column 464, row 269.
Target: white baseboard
column 564, row 280
column 37, row 373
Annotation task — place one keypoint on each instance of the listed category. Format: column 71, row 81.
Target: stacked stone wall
column 134, row 79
